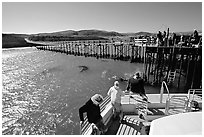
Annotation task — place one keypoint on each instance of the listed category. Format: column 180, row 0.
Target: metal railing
column 194, row 91
column 162, row 91
column 191, row 97
column 176, row 104
column 182, row 103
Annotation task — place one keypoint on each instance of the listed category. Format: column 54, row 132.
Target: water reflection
column 43, row 90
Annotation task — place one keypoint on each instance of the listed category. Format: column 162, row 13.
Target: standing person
column 92, row 109
column 159, row 38
column 164, row 39
column 116, row 93
column 136, row 85
column 164, row 34
column 195, row 37
column 174, row 39
column 200, row 43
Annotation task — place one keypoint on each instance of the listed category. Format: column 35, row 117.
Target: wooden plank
column 131, row 131
column 135, row 122
column 121, row 129
column 126, row 131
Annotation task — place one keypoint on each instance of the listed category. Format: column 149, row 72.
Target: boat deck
column 132, row 124
column 132, row 106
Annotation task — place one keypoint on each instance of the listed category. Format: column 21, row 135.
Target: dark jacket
column 136, row 85
column 92, row 110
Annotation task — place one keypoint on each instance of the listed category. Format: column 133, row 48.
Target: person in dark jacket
column 159, row 38
column 136, row 85
column 195, row 37
column 92, row 109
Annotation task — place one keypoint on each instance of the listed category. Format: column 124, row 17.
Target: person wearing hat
column 92, row 108
column 136, row 85
column 116, row 93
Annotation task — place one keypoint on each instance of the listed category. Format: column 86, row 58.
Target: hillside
column 139, row 34
column 14, row 40
column 71, row 35
column 17, row 40
column 187, row 32
column 98, row 33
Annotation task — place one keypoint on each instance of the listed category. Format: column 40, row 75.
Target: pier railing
column 119, row 50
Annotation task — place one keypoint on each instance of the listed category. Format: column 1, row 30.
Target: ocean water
column 43, row 90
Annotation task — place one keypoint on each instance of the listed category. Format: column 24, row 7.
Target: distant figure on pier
column 174, row 39
column 200, row 42
column 159, row 38
column 195, row 37
column 92, row 109
column 116, row 93
column 182, row 41
column 164, row 39
column 164, row 35
column 136, row 85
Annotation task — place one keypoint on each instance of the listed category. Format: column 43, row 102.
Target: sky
column 123, row 17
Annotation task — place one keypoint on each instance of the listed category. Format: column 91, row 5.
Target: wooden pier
column 159, row 62
column 185, row 62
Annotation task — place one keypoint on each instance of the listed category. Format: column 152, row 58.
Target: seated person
column 92, row 108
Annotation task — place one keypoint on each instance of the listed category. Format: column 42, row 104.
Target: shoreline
column 11, row 48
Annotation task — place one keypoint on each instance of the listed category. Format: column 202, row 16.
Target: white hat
column 97, row 99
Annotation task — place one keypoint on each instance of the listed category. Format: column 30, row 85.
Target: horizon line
column 199, row 30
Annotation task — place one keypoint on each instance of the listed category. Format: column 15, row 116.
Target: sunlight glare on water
column 43, row 90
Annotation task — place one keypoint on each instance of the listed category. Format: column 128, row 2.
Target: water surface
column 43, row 90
